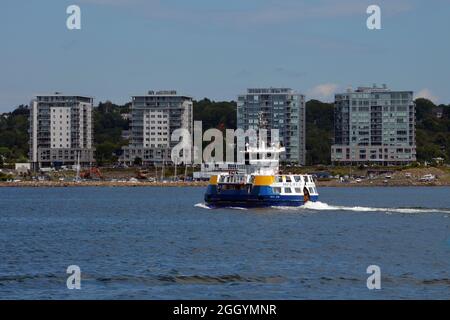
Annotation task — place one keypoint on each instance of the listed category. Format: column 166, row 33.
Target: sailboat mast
column 78, row 166
column 175, row 174
column 162, row 170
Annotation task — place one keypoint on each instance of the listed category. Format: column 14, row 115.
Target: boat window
column 279, row 179
column 307, row 178
column 288, row 179
column 287, row 190
column 298, row 190
column 297, row 178
column 311, row 190
column 276, row 190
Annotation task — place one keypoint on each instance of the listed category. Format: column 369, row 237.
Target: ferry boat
column 260, row 184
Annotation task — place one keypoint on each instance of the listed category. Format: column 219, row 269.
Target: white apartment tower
column 61, row 130
column 154, row 117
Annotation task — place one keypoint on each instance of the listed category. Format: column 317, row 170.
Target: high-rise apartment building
column 282, row 109
column 61, row 131
column 374, row 126
column 154, row 117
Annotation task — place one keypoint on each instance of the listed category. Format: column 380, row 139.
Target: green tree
column 221, row 115
column 424, row 108
column 14, row 133
column 137, row 161
column 109, row 124
column 104, row 152
column 432, row 133
column 319, row 132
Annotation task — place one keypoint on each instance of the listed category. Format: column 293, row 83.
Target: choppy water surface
column 163, row 243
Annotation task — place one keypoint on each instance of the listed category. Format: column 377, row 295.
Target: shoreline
column 111, row 184
column 71, row 184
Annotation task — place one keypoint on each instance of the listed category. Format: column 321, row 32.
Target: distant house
column 438, row 112
column 22, row 167
column 438, row 160
column 126, row 116
column 126, row 134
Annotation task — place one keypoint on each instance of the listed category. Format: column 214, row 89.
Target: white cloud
column 323, row 91
column 427, row 94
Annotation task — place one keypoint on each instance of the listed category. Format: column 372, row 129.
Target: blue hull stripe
column 258, row 197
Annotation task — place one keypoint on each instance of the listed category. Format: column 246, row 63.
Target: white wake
column 202, row 205
column 321, row 206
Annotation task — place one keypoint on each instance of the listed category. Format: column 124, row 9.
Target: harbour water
column 163, row 243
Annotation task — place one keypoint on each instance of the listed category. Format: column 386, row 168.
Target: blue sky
column 216, row 49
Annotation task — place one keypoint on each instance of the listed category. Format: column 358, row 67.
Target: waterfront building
column 61, row 130
column 374, row 125
column 210, row 169
column 154, row 117
column 280, row 108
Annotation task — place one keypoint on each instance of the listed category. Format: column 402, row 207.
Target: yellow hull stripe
column 264, row 180
column 213, row 180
